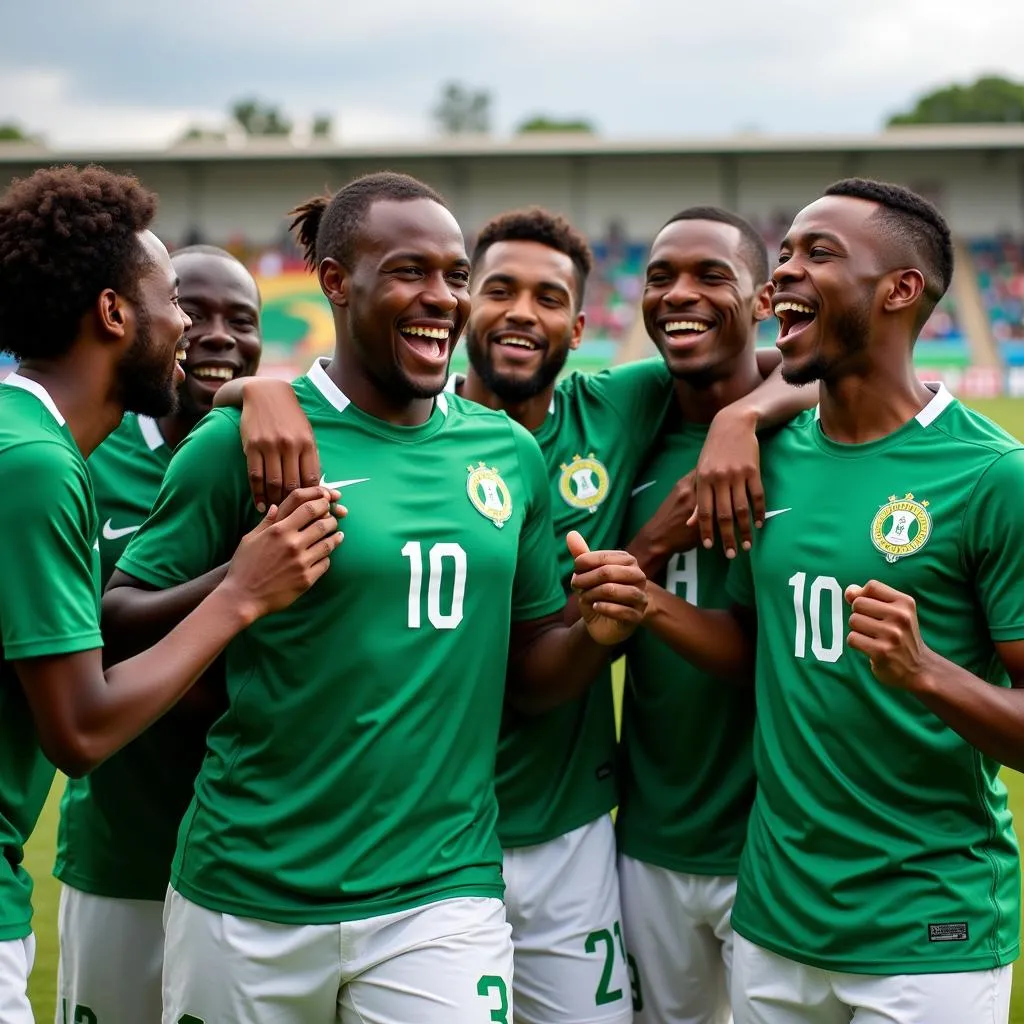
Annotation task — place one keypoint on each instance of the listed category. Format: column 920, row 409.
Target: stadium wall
column 976, row 177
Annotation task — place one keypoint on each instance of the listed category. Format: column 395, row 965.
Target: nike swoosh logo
column 336, row 485
column 642, row 487
column 110, row 533
column 776, row 512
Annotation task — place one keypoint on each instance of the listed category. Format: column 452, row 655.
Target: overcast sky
column 108, row 73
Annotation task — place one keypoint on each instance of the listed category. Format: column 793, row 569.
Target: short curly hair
column 66, row 234
column 325, row 226
column 535, row 224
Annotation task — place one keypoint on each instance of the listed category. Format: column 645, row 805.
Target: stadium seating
column 297, row 322
column 1000, row 269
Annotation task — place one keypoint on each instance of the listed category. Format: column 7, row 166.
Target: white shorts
column 680, row 942
column 111, row 955
column 16, row 957
column 448, row 962
column 563, row 905
column 771, row 989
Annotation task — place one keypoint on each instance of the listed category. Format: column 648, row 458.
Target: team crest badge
column 901, row 527
column 584, row 483
column 489, row 494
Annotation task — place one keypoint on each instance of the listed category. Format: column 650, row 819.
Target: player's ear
column 577, row 330
column 333, row 281
column 113, row 313
column 903, row 289
column 763, row 301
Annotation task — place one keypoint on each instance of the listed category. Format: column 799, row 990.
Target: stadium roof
column 903, row 139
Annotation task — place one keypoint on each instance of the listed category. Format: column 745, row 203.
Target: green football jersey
column 880, row 841
column 556, row 771
column 49, row 606
column 353, row 773
column 119, row 824
column 687, row 736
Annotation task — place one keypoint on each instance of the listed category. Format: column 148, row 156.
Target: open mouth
column 685, row 332
column 211, row 377
column 213, row 374
column 793, row 317
column 179, row 361
column 430, row 343
column 516, row 346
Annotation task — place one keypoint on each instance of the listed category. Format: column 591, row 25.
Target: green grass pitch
column 39, row 856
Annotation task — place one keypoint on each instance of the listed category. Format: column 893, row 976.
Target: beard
column 507, row 387
column 850, row 331
column 145, row 381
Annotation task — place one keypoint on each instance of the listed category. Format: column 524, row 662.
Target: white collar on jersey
column 318, row 375
column 15, row 380
column 151, row 432
column 453, row 380
column 930, row 413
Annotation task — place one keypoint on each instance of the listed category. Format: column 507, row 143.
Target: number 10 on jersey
column 824, row 590
column 442, row 557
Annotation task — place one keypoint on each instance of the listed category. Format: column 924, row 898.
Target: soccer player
column 119, row 824
column 556, row 772
column 339, row 860
column 880, row 879
column 687, row 765
column 555, row 775
column 88, row 305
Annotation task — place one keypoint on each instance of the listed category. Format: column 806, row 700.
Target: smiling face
column 701, row 302
column 525, row 320
column 826, row 287
column 405, row 297
column 222, row 301
column 149, row 373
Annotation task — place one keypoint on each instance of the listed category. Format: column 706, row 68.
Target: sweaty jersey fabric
column 556, row 771
column 880, row 841
column 687, row 736
column 119, row 824
column 50, row 606
column 353, row 773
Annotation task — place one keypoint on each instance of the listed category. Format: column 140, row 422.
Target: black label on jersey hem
column 604, row 771
column 949, row 931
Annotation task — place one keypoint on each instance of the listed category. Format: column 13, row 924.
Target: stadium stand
column 1000, row 270
column 296, row 324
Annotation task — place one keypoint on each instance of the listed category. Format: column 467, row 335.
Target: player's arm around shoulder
column 277, row 438
column 727, row 481
column 884, row 626
column 636, row 394
column 181, row 551
column 627, row 388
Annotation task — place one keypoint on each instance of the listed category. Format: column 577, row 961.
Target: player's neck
column 529, row 413
column 82, row 396
column 700, row 401
column 865, row 407
column 365, row 395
